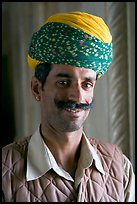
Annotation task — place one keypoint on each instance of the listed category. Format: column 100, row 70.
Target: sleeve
column 129, row 181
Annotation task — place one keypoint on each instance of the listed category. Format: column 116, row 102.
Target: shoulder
column 129, row 180
column 128, row 167
column 105, row 147
column 111, row 157
column 15, row 150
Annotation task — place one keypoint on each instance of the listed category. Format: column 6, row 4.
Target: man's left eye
column 88, row 85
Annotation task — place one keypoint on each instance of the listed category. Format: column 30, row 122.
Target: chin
column 71, row 128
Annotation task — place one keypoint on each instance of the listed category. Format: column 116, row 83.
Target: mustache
column 73, row 105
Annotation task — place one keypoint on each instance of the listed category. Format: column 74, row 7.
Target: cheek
column 46, row 97
column 61, row 95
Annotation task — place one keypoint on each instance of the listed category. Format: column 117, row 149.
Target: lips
column 73, row 110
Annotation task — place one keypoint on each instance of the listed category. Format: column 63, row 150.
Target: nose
column 76, row 94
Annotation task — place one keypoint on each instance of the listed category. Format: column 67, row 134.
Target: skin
column 62, row 129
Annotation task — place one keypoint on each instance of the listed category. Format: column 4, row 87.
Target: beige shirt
column 40, row 160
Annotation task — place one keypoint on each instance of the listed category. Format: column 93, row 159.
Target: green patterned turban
column 78, row 39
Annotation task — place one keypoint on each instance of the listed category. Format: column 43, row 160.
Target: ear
column 35, row 88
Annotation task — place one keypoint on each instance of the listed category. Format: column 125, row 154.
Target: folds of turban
column 76, row 38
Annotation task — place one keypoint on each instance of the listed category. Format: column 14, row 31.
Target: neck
column 65, row 147
column 59, row 138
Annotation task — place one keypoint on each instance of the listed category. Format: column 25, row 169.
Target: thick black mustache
column 73, row 105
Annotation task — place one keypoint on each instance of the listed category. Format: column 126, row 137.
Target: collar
column 40, row 159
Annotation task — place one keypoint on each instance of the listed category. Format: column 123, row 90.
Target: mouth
column 74, row 112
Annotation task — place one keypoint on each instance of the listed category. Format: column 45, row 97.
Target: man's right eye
column 63, row 83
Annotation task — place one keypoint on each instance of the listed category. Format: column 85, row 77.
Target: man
column 58, row 163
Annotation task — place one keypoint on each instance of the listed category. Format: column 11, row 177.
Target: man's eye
column 63, row 83
column 87, row 85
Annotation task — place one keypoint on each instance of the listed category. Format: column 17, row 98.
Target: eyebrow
column 90, row 78
column 64, row 75
column 70, row 76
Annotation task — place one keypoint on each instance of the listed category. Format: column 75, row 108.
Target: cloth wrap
column 76, row 38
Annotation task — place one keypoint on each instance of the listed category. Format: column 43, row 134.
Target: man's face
column 66, row 84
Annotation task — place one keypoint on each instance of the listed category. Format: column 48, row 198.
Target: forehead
column 72, row 71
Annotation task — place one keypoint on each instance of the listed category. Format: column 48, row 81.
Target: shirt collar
column 88, row 154
column 35, row 157
column 40, row 159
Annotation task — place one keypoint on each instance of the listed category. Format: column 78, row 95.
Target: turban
column 76, row 38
